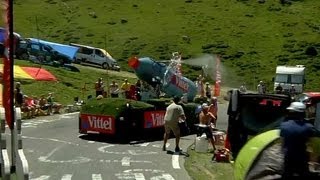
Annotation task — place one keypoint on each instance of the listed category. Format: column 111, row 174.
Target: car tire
column 105, row 66
column 24, row 56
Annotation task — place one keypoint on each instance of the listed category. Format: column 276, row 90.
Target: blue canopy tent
column 67, row 50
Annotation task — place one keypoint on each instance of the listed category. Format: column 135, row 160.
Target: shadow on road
column 132, row 139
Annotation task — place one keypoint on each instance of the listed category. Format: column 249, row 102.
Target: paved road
column 55, row 150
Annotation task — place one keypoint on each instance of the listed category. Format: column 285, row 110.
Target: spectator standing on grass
column 18, row 95
column 243, row 88
column 206, row 124
column 99, row 87
column 174, row 114
column 261, row 88
column 279, row 89
column 114, row 89
column 292, row 90
column 208, row 90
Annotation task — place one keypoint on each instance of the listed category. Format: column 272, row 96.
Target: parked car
column 21, row 51
column 44, row 53
column 96, row 56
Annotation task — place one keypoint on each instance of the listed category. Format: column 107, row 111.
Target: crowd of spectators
column 127, row 90
column 33, row 106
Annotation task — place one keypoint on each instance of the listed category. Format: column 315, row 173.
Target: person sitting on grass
column 45, row 106
column 54, row 105
column 29, row 106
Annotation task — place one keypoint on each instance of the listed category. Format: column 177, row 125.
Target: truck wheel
column 105, row 66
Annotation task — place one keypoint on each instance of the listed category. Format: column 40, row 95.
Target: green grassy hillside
column 251, row 37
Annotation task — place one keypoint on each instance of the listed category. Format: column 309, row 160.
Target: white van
column 96, row 56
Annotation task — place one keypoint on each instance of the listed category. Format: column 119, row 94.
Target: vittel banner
column 98, row 123
column 153, row 119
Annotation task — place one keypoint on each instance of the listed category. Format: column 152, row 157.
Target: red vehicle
column 311, row 99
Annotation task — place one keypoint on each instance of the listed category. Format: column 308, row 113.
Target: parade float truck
column 125, row 117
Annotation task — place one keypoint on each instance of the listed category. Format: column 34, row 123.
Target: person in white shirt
column 114, row 89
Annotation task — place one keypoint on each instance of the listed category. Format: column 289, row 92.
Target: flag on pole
column 8, row 66
column 218, row 78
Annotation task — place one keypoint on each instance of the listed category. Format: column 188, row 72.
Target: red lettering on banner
column 153, row 119
column 98, row 123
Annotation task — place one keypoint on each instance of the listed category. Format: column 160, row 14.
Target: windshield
column 282, row 78
column 298, row 79
column 289, row 78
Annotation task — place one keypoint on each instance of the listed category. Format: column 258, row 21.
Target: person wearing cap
column 294, row 134
column 206, row 124
column 174, row 114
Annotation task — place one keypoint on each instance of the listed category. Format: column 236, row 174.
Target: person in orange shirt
column 213, row 108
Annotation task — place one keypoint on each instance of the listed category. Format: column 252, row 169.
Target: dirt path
column 124, row 74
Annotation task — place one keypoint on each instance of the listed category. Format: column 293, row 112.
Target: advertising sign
column 153, row 119
column 98, row 123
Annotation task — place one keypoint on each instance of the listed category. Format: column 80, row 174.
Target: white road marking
column 160, row 145
column 96, row 177
column 78, row 160
column 144, row 144
column 50, row 139
column 41, row 178
column 125, row 161
column 66, row 177
column 143, row 170
column 139, row 176
column 120, row 161
column 162, row 177
column 175, row 161
column 131, row 152
column 91, row 142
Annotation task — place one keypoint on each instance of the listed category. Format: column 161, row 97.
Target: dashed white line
column 144, row 144
column 91, row 142
column 41, row 178
column 125, row 161
column 175, row 161
column 66, row 177
column 162, row 177
column 96, row 177
column 139, row 176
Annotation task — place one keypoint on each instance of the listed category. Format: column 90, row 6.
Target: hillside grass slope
column 252, row 38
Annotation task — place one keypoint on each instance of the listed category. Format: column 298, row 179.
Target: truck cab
column 288, row 76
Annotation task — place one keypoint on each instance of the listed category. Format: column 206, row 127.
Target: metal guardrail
column 19, row 162
column 4, row 157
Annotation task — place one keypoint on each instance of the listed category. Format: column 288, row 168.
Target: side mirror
column 273, row 79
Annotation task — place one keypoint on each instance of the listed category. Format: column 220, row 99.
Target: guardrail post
column 21, row 163
column 4, row 157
